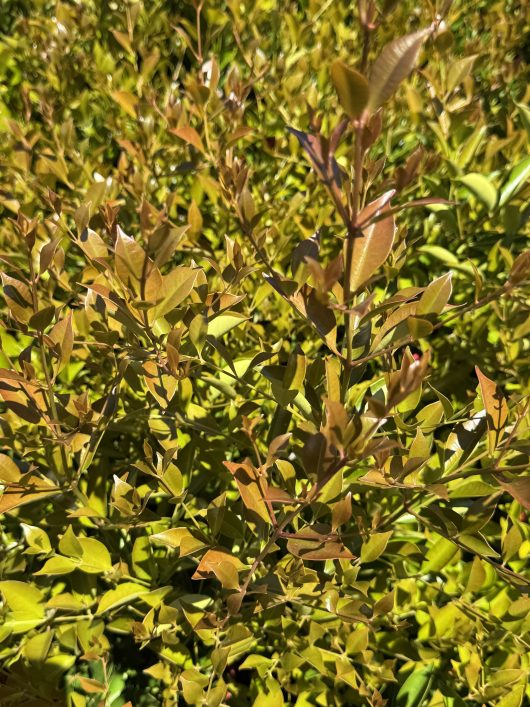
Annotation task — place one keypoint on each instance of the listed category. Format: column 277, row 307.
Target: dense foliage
column 265, row 366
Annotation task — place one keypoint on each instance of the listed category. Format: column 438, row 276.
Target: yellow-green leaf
column 496, row 408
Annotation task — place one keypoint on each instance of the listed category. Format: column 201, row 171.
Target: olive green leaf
column 351, row 86
column 516, row 179
column 416, row 687
column 435, row 296
column 375, row 546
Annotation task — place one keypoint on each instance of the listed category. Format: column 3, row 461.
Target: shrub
column 264, row 344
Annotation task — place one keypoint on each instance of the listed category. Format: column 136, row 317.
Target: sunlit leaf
column 394, row 64
column 352, row 88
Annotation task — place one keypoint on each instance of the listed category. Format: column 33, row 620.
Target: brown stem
column 353, row 232
column 312, row 495
column 52, row 407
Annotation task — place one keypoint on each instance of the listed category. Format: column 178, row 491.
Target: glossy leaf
column 482, row 188
column 371, row 249
column 352, row 88
column 394, row 64
column 516, row 180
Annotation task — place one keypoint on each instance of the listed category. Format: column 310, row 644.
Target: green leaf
column 181, row 538
column 69, row 545
column 515, row 181
column 37, row 647
column 374, row 546
column 352, row 88
column 416, row 687
column 255, row 661
column 223, row 323
column 95, row 558
column 436, row 296
column 394, row 64
column 23, row 598
column 439, row 555
column 26, row 610
column 130, row 259
column 459, row 70
column 173, row 289
column 482, row 188
column 37, row 539
column 524, row 112
column 62, row 335
column 477, row 576
column 58, row 565
column 123, row 594
column 514, row 698
column 477, row 543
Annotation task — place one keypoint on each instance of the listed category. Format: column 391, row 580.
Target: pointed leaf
column 130, row 258
column 436, row 296
column 375, row 546
column 252, row 487
column 127, row 101
column 123, row 594
column 519, row 488
column 394, row 64
column 415, row 688
column 482, row 188
column 174, row 288
column 495, row 406
column 62, row 335
column 352, row 88
column 180, row 538
column 18, row 298
column 372, row 248
column 223, row 565
column 515, row 181
column 189, row 135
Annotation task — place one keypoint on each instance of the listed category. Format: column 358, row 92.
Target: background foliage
column 207, row 498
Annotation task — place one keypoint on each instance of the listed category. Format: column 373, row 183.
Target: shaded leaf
column 519, row 488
